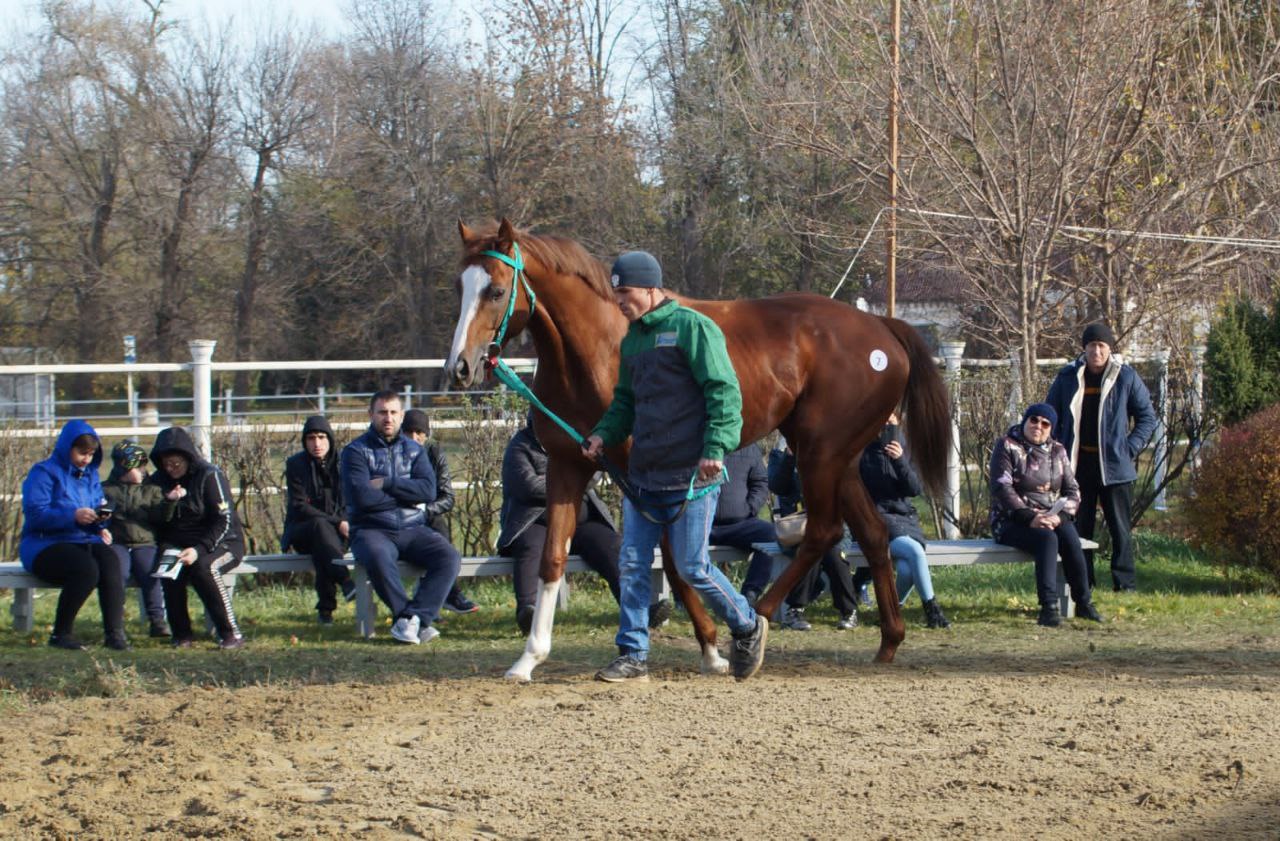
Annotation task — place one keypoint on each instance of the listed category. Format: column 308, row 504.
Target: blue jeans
column 688, row 537
column 423, row 547
column 139, row 562
column 912, row 566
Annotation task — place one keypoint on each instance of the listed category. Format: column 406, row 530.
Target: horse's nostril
column 461, row 371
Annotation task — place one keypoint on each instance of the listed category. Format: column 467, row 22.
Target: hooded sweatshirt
column 52, row 492
column 205, row 517
column 313, row 485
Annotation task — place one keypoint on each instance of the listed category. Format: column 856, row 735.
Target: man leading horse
column 678, row 399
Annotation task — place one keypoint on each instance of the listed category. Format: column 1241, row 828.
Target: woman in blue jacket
column 65, row 540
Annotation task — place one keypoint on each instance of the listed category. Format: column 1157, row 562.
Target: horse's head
column 493, row 306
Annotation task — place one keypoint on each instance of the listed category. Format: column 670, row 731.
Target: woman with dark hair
column 1034, row 499
column 65, row 540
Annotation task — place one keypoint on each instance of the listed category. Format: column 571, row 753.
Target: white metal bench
column 940, row 553
column 24, row 584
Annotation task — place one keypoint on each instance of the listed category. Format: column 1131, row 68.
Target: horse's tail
column 926, row 409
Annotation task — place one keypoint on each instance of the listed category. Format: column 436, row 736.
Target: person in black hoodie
column 206, row 532
column 315, row 520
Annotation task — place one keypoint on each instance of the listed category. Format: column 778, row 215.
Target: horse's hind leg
column 704, row 627
column 872, row 536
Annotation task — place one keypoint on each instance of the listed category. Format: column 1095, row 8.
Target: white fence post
column 951, row 355
column 1161, row 358
column 1197, row 401
column 201, row 394
column 407, row 402
column 320, row 401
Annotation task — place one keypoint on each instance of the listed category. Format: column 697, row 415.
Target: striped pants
column 205, row 577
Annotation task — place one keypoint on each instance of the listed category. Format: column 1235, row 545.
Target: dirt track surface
column 1182, row 747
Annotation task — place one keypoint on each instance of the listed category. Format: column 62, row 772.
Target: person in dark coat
column 1034, row 499
column 386, row 478
column 65, row 536
column 736, row 521
column 205, row 531
column 892, row 482
column 418, row 427
column 784, row 482
column 137, row 507
column 315, row 520
column 524, row 527
column 1105, row 420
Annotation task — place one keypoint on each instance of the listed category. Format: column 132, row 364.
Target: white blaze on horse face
column 474, row 281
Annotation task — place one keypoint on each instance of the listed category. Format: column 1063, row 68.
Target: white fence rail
column 202, row 368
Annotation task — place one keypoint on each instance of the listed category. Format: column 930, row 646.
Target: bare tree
column 273, row 113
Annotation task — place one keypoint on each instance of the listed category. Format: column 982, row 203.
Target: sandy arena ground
column 1171, row 746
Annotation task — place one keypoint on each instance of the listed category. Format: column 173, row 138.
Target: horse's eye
column 496, row 293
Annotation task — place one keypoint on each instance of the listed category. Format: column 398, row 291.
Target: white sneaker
column 428, row 633
column 406, row 629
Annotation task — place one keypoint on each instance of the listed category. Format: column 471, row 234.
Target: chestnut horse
column 825, row 374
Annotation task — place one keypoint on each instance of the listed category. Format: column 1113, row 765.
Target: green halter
column 516, row 262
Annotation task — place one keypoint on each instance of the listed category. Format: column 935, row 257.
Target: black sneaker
column 159, row 629
column 349, row 590
column 524, row 619
column 182, row 642
column 848, row 623
column 746, row 654
column 793, row 620
column 65, row 641
column 1086, row 610
column 231, row 643
column 933, row 615
column 117, row 642
column 1049, row 616
column 625, row 668
column 659, row 613
column 324, row 617
column 459, row 603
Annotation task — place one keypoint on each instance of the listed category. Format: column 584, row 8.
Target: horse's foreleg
column 873, row 538
column 704, row 627
column 564, row 491
column 538, row 645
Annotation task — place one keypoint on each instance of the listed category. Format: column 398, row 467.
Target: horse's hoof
column 718, row 666
column 518, row 675
column 885, row 655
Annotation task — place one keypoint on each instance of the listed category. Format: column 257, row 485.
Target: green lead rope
column 511, row 380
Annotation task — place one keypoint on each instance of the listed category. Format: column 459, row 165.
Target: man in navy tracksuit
column 386, row 478
column 1105, row 419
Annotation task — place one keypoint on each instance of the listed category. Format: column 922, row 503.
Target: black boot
column 1086, row 610
column 933, row 615
column 1049, row 616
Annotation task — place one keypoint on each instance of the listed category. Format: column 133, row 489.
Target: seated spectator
column 1034, row 498
column 137, row 506
column 784, row 481
column 65, row 540
column 206, row 532
column 315, row 520
column 737, row 523
column 892, row 482
column 418, row 427
column 386, row 476
column 524, row 528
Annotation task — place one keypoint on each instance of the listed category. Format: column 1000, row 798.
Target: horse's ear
column 466, row 233
column 506, row 234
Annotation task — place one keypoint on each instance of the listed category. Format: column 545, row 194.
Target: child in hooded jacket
column 139, row 506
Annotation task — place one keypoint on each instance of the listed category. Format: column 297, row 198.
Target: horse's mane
column 561, row 254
